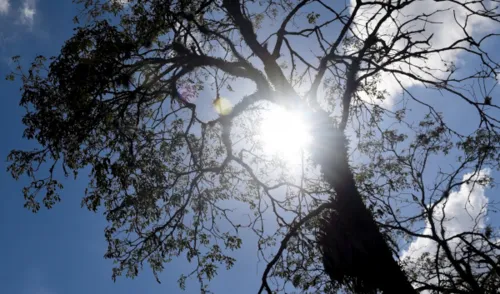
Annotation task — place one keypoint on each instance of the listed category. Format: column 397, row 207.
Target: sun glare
column 284, row 133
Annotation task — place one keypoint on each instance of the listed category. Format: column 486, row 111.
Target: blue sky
column 61, row 250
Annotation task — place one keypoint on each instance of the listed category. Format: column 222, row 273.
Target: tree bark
column 352, row 245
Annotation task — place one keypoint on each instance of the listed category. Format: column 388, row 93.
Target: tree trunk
column 354, row 250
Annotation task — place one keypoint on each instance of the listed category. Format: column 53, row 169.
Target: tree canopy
column 165, row 104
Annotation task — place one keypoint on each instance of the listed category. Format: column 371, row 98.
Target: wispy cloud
column 4, row 6
column 28, row 11
column 43, row 290
column 37, row 282
column 122, row 2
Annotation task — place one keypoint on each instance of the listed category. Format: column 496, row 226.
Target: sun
column 284, row 133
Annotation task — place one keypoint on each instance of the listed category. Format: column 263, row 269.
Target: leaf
column 312, row 17
column 10, row 77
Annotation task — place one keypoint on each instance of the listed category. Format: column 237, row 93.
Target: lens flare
column 222, row 106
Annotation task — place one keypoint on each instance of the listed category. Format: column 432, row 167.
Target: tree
column 125, row 98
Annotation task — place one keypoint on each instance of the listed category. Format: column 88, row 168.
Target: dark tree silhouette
column 126, row 98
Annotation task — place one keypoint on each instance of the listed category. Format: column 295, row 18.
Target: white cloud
column 4, row 6
column 464, row 211
column 443, row 27
column 28, row 11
